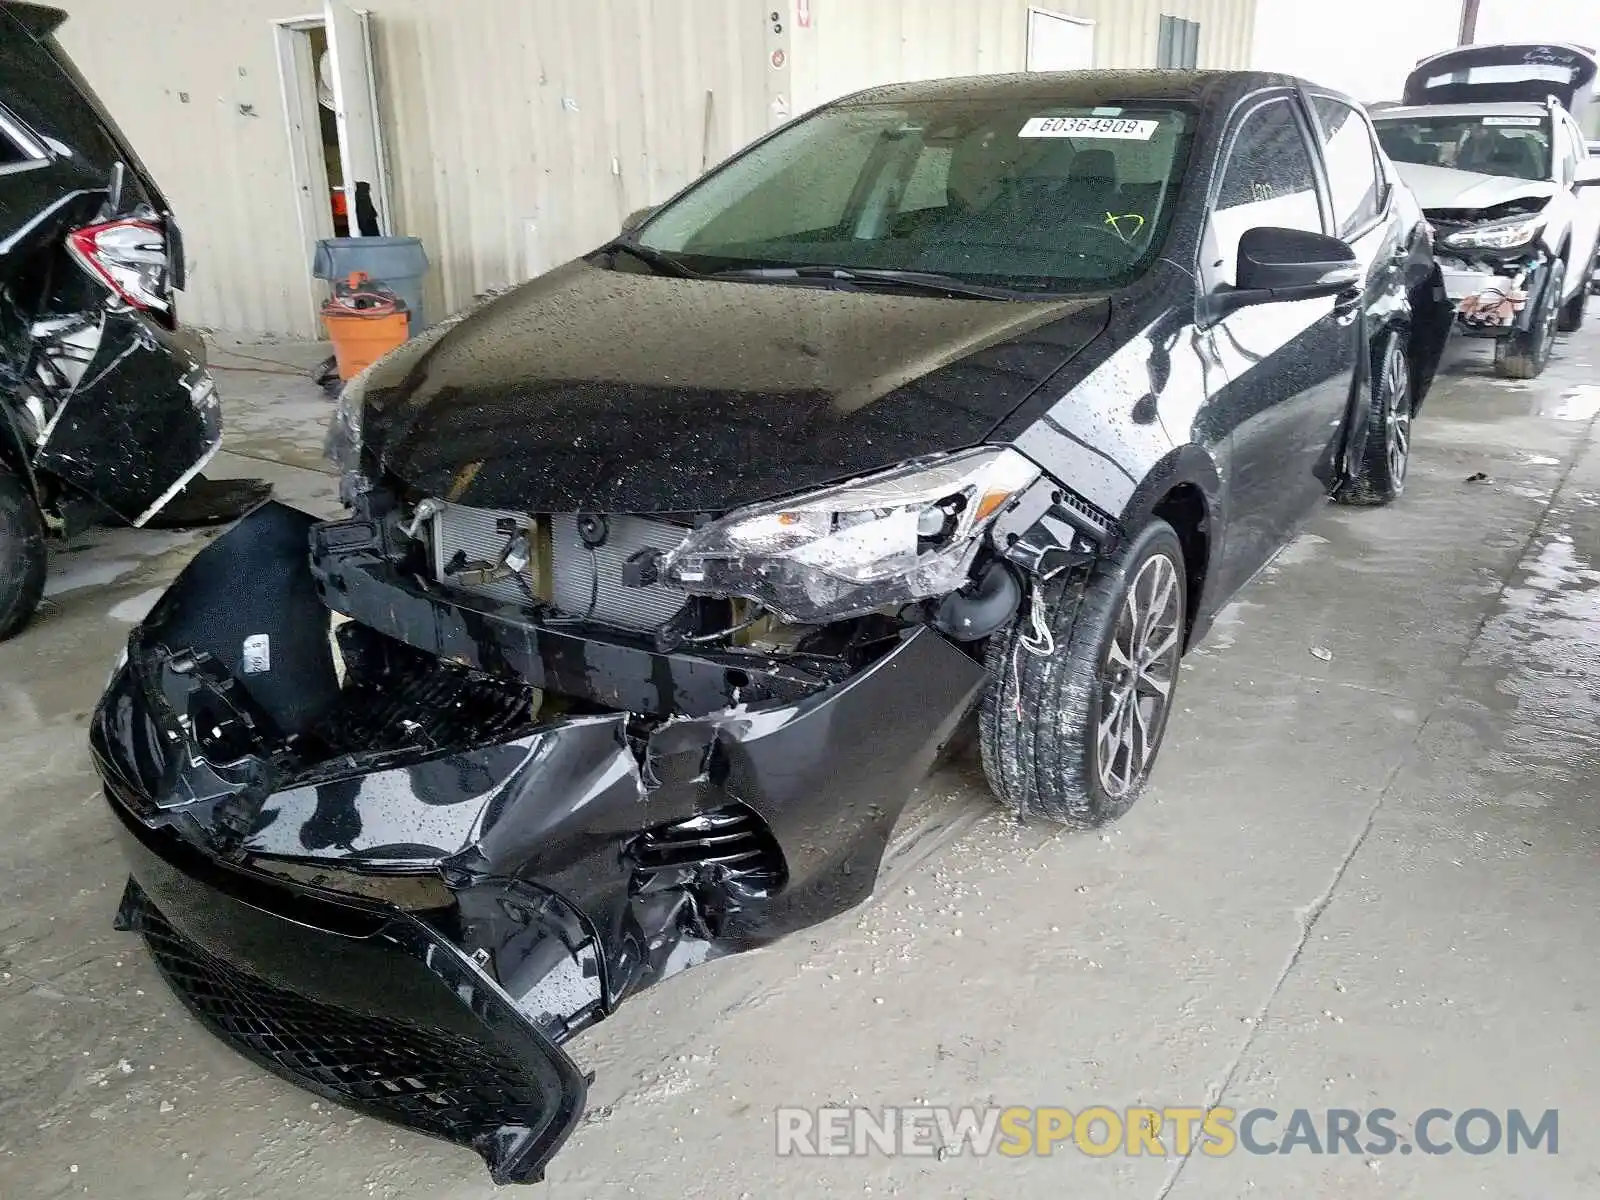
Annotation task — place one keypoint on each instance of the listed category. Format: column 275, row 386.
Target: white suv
column 1487, row 142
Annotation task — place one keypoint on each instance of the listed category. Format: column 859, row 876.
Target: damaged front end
column 409, row 811
column 1493, row 261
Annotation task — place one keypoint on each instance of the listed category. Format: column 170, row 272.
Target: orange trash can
column 365, row 320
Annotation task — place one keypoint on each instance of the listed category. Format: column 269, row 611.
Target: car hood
column 599, row 390
column 1446, row 187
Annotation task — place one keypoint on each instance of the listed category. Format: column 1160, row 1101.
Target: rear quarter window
column 19, row 149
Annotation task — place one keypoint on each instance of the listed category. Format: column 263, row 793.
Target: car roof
column 36, row 20
column 1082, row 87
column 1491, row 109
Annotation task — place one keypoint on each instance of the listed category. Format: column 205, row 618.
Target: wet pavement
column 1366, row 877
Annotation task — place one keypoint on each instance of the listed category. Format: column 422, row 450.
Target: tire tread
column 23, row 560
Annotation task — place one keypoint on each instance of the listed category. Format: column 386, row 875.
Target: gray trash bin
column 399, row 262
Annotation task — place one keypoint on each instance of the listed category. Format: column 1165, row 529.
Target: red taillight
column 129, row 257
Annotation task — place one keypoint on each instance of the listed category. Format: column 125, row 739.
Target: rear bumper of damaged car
column 566, row 817
column 135, row 414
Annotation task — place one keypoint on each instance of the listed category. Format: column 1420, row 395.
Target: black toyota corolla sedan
column 665, row 576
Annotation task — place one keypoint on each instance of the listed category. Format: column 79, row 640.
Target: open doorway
column 328, row 129
column 325, row 67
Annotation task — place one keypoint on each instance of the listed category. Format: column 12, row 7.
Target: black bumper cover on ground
column 373, row 1009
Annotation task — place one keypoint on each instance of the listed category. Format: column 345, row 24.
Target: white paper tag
column 1125, row 129
column 1534, row 122
column 257, row 654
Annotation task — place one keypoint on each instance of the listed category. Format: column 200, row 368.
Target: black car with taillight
column 107, row 410
column 666, row 576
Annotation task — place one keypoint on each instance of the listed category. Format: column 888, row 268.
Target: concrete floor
column 1366, row 877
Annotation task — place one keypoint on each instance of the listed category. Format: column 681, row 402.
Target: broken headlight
column 898, row 536
column 1498, row 235
column 342, row 445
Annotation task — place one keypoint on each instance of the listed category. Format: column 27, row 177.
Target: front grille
column 414, row 700
column 1102, row 519
column 726, row 846
column 583, row 581
column 439, row 1082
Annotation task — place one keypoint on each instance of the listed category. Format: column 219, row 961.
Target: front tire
column 1380, row 476
column 1574, row 310
column 1071, row 734
column 1525, row 354
column 22, row 554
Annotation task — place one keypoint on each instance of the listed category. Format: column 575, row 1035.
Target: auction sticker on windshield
column 1123, row 128
column 1524, row 121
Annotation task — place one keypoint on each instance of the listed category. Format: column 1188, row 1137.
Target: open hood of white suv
column 1446, row 187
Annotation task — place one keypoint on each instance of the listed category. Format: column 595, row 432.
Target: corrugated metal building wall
column 851, row 44
column 520, row 132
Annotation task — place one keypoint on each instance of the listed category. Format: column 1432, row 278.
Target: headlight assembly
column 1498, row 235
column 902, row 535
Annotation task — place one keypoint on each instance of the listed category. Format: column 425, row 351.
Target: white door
column 355, row 105
column 1059, row 43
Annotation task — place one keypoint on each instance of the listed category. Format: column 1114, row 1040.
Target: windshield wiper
column 664, row 264
column 928, row 282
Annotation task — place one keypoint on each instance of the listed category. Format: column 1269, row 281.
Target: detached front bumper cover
column 418, row 853
column 374, row 1009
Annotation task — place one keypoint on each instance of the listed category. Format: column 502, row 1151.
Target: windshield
column 1017, row 194
column 1516, row 147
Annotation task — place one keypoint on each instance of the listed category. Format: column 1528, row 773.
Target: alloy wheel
column 1397, row 436
column 1136, row 680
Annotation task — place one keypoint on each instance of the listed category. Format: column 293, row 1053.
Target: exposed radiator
column 583, row 581
column 584, row 576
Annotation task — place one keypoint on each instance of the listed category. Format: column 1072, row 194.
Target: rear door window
column 1267, row 180
column 1571, row 150
column 1352, row 165
column 19, row 149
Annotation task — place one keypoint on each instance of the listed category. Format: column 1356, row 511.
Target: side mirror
column 1588, row 173
column 1288, row 264
column 637, row 218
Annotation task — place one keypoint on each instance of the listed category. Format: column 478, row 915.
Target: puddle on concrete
column 1575, row 404
column 76, row 575
column 1529, row 493
column 1302, row 549
column 105, row 562
column 1543, row 639
column 1225, row 627
column 136, row 608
